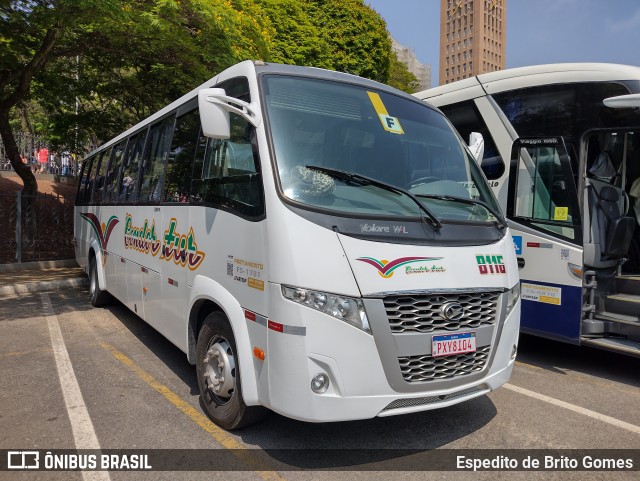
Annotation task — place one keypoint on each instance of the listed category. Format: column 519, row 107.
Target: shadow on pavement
column 560, row 357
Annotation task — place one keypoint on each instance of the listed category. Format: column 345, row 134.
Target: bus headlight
column 347, row 309
column 512, row 297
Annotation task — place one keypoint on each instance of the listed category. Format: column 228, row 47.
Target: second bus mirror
column 214, row 117
column 476, row 146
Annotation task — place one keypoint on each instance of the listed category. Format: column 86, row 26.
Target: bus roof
column 522, row 77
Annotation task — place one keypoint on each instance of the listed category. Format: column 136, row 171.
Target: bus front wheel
column 219, row 376
column 97, row 296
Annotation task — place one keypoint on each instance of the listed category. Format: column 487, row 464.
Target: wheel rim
column 220, row 370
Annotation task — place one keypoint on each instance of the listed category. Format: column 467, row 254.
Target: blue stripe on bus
column 559, row 322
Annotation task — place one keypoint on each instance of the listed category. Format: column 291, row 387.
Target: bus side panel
column 134, row 287
column 541, row 318
column 179, row 245
column 81, row 234
column 111, row 266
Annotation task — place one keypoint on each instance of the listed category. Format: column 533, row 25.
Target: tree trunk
column 12, row 152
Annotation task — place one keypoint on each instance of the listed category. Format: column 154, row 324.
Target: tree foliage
column 400, row 77
column 120, row 59
column 343, row 35
column 87, row 69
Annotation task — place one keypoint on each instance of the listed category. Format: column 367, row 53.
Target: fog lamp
column 320, row 383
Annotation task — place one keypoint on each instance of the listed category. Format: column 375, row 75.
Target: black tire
column 222, row 400
column 98, row 297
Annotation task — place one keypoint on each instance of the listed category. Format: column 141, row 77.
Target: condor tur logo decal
column 103, row 231
column 386, row 268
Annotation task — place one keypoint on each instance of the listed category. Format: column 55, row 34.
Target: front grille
column 422, row 313
column 420, row 401
column 429, row 368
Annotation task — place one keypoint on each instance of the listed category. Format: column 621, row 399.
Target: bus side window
column 229, row 176
column 111, row 183
column 131, row 165
column 466, row 118
column 156, row 152
column 83, row 186
column 542, row 191
column 98, row 182
column 181, row 154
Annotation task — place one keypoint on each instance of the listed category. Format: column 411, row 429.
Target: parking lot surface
column 78, row 376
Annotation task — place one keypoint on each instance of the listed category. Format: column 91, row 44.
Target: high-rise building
column 472, row 38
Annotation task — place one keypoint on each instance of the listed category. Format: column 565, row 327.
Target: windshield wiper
column 499, row 219
column 432, row 220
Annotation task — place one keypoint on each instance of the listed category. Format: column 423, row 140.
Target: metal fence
column 35, row 228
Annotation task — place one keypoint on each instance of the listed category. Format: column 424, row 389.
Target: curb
column 43, row 286
column 38, row 265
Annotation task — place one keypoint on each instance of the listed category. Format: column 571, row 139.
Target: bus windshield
column 321, row 127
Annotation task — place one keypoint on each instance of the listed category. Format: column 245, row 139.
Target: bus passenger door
column 545, row 223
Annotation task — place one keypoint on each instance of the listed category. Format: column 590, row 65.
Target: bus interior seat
column 611, row 230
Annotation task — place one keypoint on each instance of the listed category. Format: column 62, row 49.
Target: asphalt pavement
column 74, row 376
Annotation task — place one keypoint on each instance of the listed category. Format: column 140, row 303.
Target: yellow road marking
column 24, row 353
column 220, row 435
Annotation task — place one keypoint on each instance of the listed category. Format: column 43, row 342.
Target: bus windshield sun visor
column 432, row 220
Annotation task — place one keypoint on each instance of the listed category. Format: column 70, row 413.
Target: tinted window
column 155, row 155
column 228, row 175
column 568, row 110
column 180, row 161
column 84, row 188
column 466, row 119
column 128, row 184
column 113, row 175
column 99, row 181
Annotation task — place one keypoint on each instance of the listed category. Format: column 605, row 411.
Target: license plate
column 449, row 344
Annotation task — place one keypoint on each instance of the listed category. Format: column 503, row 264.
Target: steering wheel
column 423, row 180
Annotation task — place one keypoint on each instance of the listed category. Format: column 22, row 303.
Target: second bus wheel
column 97, row 296
column 219, row 376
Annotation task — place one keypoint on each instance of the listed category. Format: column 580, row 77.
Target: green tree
column 297, row 38
column 343, row 35
column 400, row 77
column 121, row 60
column 357, row 36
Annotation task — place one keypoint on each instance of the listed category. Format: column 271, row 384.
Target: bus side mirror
column 623, row 101
column 215, row 105
column 476, row 146
column 213, row 116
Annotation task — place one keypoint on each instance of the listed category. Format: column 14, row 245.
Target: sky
column 538, row 31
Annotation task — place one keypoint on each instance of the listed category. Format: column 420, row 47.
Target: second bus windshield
column 330, row 125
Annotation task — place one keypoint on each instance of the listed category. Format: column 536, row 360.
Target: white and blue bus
column 562, row 155
column 318, row 244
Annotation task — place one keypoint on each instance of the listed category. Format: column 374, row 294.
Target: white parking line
column 576, row 409
column 84, row 435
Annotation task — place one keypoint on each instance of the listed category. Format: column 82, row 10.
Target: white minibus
column 318, row 244
column 562, row 155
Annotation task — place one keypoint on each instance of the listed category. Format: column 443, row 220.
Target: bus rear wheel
column 97, row 296
column 219, row 376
